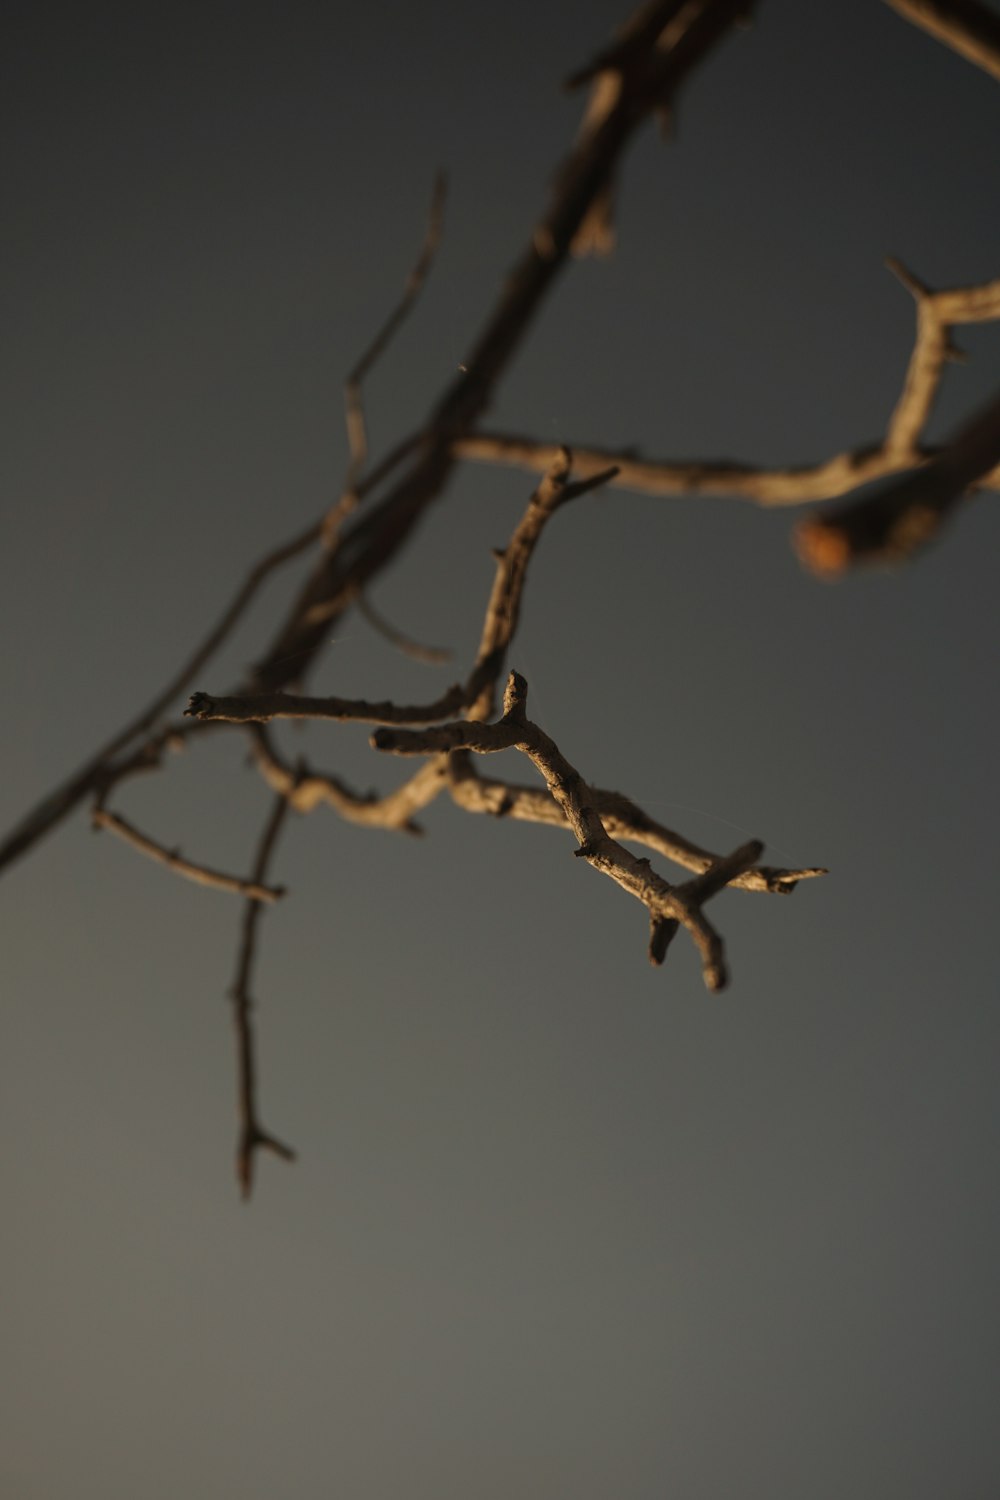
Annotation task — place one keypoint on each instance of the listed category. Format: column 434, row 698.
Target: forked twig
column 667, row 905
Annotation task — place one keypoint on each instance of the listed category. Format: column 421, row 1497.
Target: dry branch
column 307, row 789
column 900, row 450
column 175, row 861
column 416, row 650
column 477, row 694
column 667, row 905
column 622, row 818
column 357, row 426
column 674, row 46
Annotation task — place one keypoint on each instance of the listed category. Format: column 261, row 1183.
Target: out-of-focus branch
column 937, row 314
column 900, row 449
column 175, row 861
column 667, row 905
column 893, row 524
column 357, row 427
column 415, row 650
column 93, row 775
column 252, row 1135
column 654, row 80
column 968, row 28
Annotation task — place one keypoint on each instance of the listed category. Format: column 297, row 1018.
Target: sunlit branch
column 666, row 904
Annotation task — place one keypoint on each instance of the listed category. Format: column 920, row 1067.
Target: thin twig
column 504, row 605
column 93, row 774
column 431, row 655
column 357, row 427
column 252, row 1135
column 175, row 861
column 375, row 537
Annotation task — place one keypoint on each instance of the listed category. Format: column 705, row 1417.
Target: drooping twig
column 432, row 655
column 666, row 904
column 968, row 28
column 175, row 861
column 252, row 1135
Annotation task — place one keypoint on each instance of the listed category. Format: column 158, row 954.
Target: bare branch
column 504, row 605
column 968, row 28
column 432, row 655
column 252, row 1135
column 306, row 789
column 376, row 537
column 174, row 860
column 92, row 776
column 900, row 450
column 665, row 903
column 621, row 817
column 937, row 314
column 499, row 626
column 357, row 430
column 260, row 708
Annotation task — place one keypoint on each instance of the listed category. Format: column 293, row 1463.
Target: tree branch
column 357, row 428
column 899, row 451
column 306, row 789
column 174, row 860
column 622, row 818
column 374, row 539
column 666, row 904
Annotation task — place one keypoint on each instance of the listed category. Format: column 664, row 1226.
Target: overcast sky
column 562, row 1224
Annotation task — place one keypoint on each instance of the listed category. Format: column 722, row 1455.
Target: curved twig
column 175, row 861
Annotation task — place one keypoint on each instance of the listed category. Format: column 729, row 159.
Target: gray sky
column 562, row 1224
